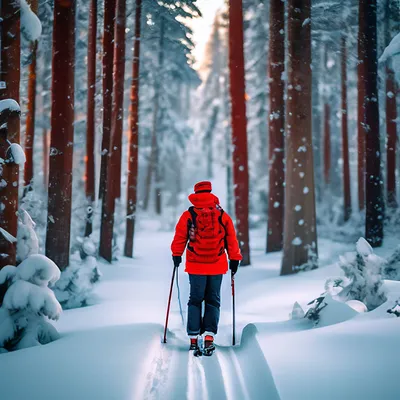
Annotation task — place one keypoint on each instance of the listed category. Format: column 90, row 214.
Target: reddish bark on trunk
column 391, row 112
column 327, row 144
column 276, row 65
column 114, row 168
column 239, row 133
column 391, row 130
column 10, row 74
column 62, row 134
column 374, row 195
column 300, row 241
column 345, row 136
column 108, row 62
column 133, row 148
column 361, row 107
column 90, row 127
column 31, row 110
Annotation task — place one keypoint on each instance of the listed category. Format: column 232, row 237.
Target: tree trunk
column 114, row 170
column 62, row 134
column 391, row 118
column 239, row 133
column 374, row 197
column 300, row 241
column 90, row 184
column 361, row 106
column 345, row 136
column 9, row 172
column 45, row 139
column 133, row 156
column 209, row 138
column 31, row 110
column 327, row 144
column 153, row 167
column 276, row 65
column 108, row 61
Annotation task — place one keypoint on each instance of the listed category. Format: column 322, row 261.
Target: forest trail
column 232, row 373
column 170, row 371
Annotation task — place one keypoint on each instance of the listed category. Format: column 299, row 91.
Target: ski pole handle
column 169, row 305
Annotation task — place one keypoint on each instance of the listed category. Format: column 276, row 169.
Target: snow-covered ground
column 113, row 349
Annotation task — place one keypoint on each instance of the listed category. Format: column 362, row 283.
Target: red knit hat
column 202, row 187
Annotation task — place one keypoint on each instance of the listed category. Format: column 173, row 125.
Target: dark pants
column 205, row 288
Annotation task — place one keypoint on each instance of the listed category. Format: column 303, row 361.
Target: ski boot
column 209, row 346
column 194, row 346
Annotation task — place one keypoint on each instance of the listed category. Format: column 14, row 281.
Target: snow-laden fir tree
column 27, row 303
column 363, row 279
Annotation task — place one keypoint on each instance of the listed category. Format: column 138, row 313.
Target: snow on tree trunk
column 300, row 242
column 391, row 116
column 108, row 60
column 345, row 134
column 153, row 168
column 276, row 66
column 62, row 134
column 361, row 106
column 327, row 144
column 114, row 167
column 133, row 147
column 90, row 184
column 239, row 133
column 31, row 110
column 9, row 171
column 374, row 195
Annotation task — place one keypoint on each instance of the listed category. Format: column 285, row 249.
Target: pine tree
column 90, row 183
column 300, row 242
column 31, row 111
column 10, row 126
column 114, row 167
column 62, row 134
column 133, row 157
column 345, row 133
column 392, row 21
column 239, row 133
column 373, row 177
column 276, row 63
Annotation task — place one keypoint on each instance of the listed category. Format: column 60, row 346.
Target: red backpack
column 206, row 235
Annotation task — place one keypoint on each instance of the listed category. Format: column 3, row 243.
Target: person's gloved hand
column 177, row 260
column 233, row 266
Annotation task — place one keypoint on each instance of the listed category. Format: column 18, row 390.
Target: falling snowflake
column 297, row 241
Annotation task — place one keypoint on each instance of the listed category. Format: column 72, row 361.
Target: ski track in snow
column 232, row 373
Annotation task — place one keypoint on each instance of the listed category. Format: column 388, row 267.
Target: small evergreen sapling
column 392, row 266
column 363, row 277
column 27, row 303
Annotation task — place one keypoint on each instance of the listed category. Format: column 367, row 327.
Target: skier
column 207, row 232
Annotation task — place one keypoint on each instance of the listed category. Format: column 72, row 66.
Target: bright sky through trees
column 202, row 26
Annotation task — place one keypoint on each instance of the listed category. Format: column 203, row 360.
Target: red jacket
column 202, row 200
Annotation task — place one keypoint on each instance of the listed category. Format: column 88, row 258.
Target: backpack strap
column 193, row 215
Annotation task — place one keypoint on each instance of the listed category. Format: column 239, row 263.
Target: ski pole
column 169, row 305
column 233, row 310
